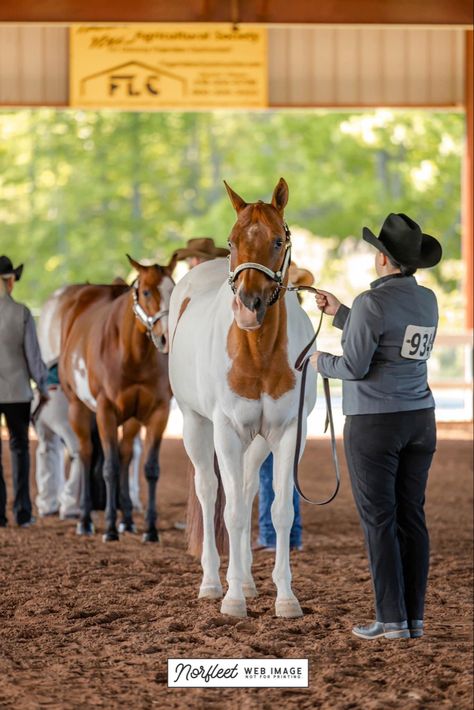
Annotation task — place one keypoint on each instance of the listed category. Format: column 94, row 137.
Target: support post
column 468, row 186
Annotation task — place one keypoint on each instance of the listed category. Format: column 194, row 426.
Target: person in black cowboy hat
column 390, row 431
column 20, row 361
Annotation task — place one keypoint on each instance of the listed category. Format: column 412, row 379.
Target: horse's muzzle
column 249, row 311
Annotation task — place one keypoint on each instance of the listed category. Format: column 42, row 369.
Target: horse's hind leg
column 199, row 445
column 129, row 431
column 107, row 424
column 154, row 432
column 80, row 418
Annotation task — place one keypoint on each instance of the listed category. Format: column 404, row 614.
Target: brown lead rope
column 301, row 365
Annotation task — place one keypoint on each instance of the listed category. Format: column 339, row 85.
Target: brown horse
column 114, row 344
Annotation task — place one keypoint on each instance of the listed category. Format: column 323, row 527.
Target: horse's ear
column 280, row 196
column 236, row 200
column 134, row 263
column 170, row 267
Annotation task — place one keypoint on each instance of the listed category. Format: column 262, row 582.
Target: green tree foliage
column 80, row 189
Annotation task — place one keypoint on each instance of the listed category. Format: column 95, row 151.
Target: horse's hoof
column 110, row 536
column 249, row 589
column 150, row 536
column 288, row 608
column 234, row 607
column 85, row 529
column 210, row 591
column 127, row 527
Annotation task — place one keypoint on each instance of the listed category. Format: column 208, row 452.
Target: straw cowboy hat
column 201, row 247
column 6, row 269
column 300, row 277
column 402, row 240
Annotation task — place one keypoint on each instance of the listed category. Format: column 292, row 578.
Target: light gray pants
column 54, row 432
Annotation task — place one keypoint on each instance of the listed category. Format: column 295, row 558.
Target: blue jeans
column 267, row 534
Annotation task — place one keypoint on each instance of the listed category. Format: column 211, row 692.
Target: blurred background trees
column 80, row 189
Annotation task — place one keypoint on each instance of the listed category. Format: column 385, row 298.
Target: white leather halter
column 277, row 276
column 148, row 321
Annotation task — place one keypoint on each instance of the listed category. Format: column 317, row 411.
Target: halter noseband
column 277, row 276
column 144, row 318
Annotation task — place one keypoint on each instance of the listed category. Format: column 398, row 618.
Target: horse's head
column 151, row 296
column 259, row 238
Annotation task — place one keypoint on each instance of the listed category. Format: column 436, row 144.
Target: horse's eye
column 146, row 292
column 278, row 244
column 229, row 244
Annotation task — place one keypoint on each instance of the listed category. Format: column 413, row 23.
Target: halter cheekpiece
column 148, row 321
column 277, row 276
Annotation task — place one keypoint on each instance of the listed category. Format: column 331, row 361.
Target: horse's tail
column 194, row 528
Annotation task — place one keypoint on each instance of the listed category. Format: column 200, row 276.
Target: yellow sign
column 197, row 66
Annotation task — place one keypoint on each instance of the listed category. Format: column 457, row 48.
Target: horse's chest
column 258, row 369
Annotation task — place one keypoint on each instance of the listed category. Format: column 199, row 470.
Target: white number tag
column 418, row 342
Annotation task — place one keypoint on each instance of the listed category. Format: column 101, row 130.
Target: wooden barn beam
column 468, row 186
column 401, row 12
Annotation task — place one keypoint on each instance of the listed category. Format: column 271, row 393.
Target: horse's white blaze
column 81, row 382
column 215, row 416
column 165, row 288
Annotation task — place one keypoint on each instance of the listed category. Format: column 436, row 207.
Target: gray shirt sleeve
column 341, row 316
column 36, row 367
column 362, row 330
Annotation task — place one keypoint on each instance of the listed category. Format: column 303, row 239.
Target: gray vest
column 14, row 373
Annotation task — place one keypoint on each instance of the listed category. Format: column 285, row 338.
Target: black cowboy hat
column 402, row 240
column 6, row 268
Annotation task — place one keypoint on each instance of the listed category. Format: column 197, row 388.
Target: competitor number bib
column 418, row 342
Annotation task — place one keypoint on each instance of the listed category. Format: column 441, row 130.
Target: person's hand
column 327, row 302
column 314, row 360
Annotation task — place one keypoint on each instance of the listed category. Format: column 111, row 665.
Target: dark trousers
column 389, row 456
column 17, row 416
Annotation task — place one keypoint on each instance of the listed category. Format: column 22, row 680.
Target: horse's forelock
column 259, row 212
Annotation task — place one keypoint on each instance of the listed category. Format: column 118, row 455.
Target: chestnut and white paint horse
column 234, row 339
column 113, row 343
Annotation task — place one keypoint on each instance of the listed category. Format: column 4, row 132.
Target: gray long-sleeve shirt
column 20, row 357
column 36, row 367
column 387, row 338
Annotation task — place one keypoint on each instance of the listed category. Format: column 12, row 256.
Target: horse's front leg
column 199, row 443
column 287, row 604
column 154, row 433
column 107, row 425
column 253, row 459
column 130, row 430
column 230, row 454
column 80, row 419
